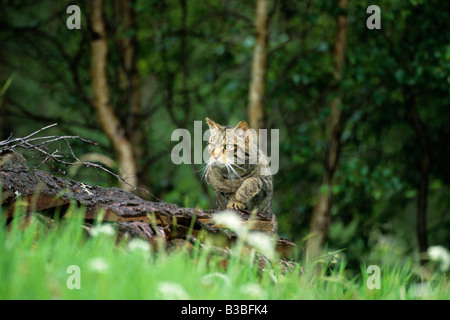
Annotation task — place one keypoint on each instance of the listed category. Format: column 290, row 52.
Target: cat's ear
column 243, row 129
column 241, row 125
column 212, row 125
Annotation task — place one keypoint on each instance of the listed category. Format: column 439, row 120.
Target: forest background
column 362, row 113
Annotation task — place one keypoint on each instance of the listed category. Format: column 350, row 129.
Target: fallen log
column 45, row 193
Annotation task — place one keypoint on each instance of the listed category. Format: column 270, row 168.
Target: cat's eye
column 229, row 147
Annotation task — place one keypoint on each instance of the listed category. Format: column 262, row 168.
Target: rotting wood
column 45, row 193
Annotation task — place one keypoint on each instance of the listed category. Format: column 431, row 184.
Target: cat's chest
column 220, row 182
column 230, row 185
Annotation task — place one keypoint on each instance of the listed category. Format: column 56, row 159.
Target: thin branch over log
column 41, row 145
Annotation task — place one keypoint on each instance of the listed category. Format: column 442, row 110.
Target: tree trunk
column 102, row 100
column 321, row 217
column 5, row 124
column 126, row 18
column 258, row 73
column 422, row 200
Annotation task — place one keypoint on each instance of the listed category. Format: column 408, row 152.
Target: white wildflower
column 253, row 291
column 262, row 243
column 102, row 230
column 422, row 290
column 172, row 291
column 138, row 245
column 230, row 220
column 98, row 264
column 215, row 278
column 441, row 255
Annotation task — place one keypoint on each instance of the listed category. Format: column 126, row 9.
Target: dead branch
column 41, row 146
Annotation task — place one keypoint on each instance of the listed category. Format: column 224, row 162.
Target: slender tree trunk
column 185, row 90
column 131, row 81
column 102, row 100
column 126, row 18
column 422, row 200
column 321, row 217
column 183, row 59
column 5, row 124
column 6, row 128
column 258, row 73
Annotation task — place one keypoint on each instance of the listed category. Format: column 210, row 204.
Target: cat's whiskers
column 202, row 169
column 205, row 170
column 228, row 170
column 230, row 167
column 234, row 164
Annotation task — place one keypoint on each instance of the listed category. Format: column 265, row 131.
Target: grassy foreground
column 62, row 263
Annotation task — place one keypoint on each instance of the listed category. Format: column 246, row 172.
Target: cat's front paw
column 236, row 205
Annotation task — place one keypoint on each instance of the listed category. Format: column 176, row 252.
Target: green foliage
column 201, row 68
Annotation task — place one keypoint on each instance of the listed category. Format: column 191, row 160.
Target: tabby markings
column 182, row 152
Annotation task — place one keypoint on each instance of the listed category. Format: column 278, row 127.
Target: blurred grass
column 34, row 264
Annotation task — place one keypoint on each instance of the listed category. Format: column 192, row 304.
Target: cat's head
column 231, row 148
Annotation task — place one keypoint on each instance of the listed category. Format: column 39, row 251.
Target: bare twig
column 40, row 144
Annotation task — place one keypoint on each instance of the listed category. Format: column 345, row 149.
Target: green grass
column 34, row 265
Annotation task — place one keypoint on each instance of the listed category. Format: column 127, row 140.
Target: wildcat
column 238, row 171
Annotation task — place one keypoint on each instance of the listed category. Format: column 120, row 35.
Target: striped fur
column 237, row 170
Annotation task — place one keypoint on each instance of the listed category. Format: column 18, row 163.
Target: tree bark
column 321, row 217
column 102, row 99
column 126, row 18
column 256, row 112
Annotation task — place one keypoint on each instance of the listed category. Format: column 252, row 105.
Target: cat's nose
column 216, row 155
